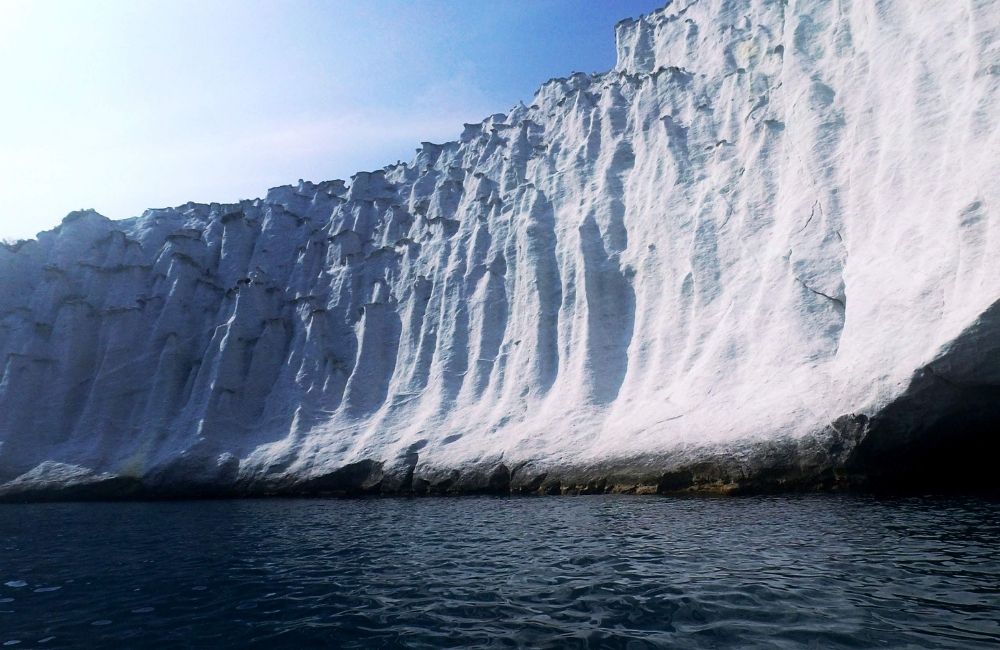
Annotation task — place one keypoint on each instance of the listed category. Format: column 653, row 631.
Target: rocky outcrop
column 758, row 254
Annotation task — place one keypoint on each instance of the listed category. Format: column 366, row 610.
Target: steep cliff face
column 732, row 261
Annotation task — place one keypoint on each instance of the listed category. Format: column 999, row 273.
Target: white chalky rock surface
column 769, row 215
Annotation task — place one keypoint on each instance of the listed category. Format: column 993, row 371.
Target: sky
column 123, row 105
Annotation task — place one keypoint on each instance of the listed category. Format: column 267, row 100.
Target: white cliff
column 735, row 252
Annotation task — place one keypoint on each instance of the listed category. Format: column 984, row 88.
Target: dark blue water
column 630, row 572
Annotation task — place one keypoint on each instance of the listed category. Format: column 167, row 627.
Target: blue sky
column 130, row 104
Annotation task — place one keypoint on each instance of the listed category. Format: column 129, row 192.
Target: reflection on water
column 828, row 571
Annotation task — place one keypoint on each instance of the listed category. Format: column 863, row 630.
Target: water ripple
column 588, row 572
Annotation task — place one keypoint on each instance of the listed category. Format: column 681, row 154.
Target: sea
column 814, row 571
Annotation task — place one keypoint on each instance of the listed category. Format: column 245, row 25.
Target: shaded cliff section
column 943, row 431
